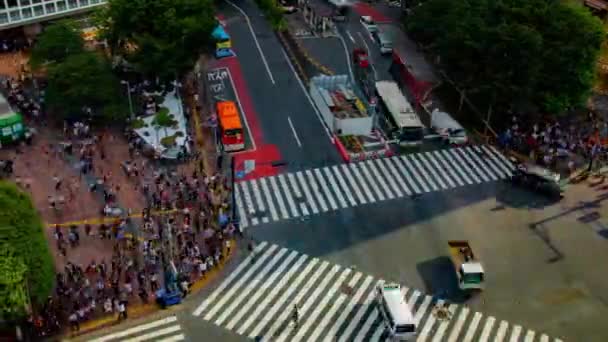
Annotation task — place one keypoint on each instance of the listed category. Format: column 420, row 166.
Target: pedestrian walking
column 122, row 311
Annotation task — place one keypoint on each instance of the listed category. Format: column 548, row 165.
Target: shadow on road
column 440, row 279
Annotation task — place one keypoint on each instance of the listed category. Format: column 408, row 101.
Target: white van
column 395, row 312
column 385, row 42
column 448, row 128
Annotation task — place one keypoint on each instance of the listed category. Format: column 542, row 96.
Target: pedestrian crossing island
column 314, row 191
column 334, row 304
column 161, row 330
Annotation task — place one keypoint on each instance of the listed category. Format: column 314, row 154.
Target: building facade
column 15, row 13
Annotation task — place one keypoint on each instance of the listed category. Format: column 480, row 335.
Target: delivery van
column 448, row 129
column 396, row 314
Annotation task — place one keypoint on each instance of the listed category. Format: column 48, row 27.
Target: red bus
column 230, row 127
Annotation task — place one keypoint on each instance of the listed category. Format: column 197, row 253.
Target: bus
column 230, row 127
column 403, row 124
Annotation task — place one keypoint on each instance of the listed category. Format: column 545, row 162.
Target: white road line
column 502, row 157
column 439, row 169
column 428, row 324
column 515, row 333
column 296, row 189
column 268, row 195
column 316, row 191
column 502, row 331
column 361, row 180
column 309, row 199
column 250, row 300
column 288, row 196
column 350, row 36
column 443, row 326
column 426, row 302
column 431, row 169
column 480, row 162
column 270, row 296
column 348, row 59
column 353, row 184
column 154, row 334
column 174, row 338
column 277, row 193
column 321, row 180
column 487, row 329
column 343, row 187
column 465, row 167
column 390, row 174
column 406, row 174
column 377, row 174
column 395, row 176
column 447, row 167
column 255, row 39
column 312, row 105
column 529, row 336
column 228, row 281
column 472, row 165
column 322, row 326
column 334, row 187
column 361, row 309
column 489, row 159
column 350, row 306
column 293, row 130
column 371, row 181
column 258, row 199
column 219, row 305
column 462, row 316
column 373, row 316
column 249, row 203
column 418, row 168
column 544, row 338
column 472, row 327
column 411, row 302
column 497, row 160
column 311, row 318
column 270, row 334
column 378, row 333
column 136, row 329
column 450, row 157
column 241, row 209
column 278, row 304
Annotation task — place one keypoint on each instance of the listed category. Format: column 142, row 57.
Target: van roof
column 396, row 303
column 472, row 267
column 441, row 119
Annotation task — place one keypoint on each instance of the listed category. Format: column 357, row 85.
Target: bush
column 22, row 229
column 274, row 13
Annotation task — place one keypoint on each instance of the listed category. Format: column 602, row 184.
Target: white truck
column 469, row 270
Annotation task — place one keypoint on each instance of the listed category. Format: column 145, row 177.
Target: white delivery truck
column 447, row 128
column 396, row 313
column 468, row 269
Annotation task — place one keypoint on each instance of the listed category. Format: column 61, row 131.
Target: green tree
column 57, row 42
column 13, row 287
column 85, row 79
column 159, row 37
column 513, row 54
column 22, row 230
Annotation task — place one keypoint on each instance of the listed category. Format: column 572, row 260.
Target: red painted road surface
column 365, row 9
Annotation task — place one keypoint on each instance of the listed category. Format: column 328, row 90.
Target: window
column 61, row 6
column 38, row 10
column 472, row 278
column 72, row 3
column 15, row 15
column 6, row 131
column 50, row 8
column 27, row 12
column 406, row 328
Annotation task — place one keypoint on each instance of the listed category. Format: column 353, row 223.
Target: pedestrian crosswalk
column 334, row 304
column 320, row 190
column 161, row 330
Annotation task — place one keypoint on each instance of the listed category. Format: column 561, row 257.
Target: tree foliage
column 159, row 37
column 58, row 41
column 13, row 288
column 85, row 79
column 513, row 53
column 22, row 230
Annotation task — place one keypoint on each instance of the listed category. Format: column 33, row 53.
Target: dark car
column 537, row 179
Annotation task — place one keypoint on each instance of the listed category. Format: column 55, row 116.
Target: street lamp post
column 129, row 97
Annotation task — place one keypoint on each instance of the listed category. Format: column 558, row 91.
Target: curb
column 141, row 310
column 341, row 149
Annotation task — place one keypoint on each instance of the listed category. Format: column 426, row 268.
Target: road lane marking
column 293, row 130
column 353, row 184
column 249, row 203
column 241, row 209
column 316, row 190
column 362, row 309
column 502, row 157
column 225, row 297
column 448, row 168
column 350, row 36
column 372, row 166
column 296, row 189
column 373, row 316
column 288, row 195
column 480, row 162
column 431, row 169
column 136, row 329
column 175, row 338
column 515, row 333
column 255, row 39
column 248, row 299
column 426, row 177
column 422, row 309
column 428, row 324
column 451, row 158
column 361, row 180
column 529, row 336
column 258, row 199
column 325, row 188
column 439, row 169
column 502, row 331
column 472, row 327
column 269, row 316
column 407, row 177
column 487, row 329
column 471, row 165
column 371, row 181
column 390, row 174
column 462, row 316
column 309, row 199
column 277, row 193
column 153, row 334
column 228, row 281
column 443, row 327
column 497, row 160
column 489, row 160
column 335, row 187
column 350, row 306
column 270, row 296
column 267, row 194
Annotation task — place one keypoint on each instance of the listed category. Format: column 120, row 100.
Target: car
column 537, row 179
column 368, row 23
